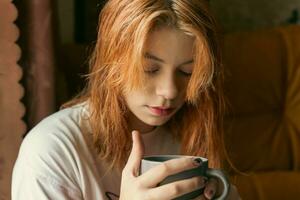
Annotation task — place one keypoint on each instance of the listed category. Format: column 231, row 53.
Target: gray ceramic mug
column 150, row 161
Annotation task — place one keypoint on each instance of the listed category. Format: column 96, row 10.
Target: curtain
column 39, row 62
column 12, row 127
column 27, row 67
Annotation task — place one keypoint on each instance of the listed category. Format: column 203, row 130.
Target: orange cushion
column 262, row 126
column 262, row 84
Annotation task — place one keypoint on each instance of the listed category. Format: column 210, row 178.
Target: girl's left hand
column 212, row 191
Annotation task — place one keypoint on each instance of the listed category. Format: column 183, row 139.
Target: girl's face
column 169, row 65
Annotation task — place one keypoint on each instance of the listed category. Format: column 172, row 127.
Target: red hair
column 116, row 65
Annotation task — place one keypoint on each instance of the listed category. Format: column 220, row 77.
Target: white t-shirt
column 57, row 160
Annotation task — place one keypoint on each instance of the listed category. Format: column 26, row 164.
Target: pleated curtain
column 27, row 68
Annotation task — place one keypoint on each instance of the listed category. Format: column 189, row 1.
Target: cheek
column 149, row 88
column 182, row 85
column 136, row 97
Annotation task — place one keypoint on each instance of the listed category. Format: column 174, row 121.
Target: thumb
column 137, row 152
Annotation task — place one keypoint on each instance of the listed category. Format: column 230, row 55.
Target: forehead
column 170, row 43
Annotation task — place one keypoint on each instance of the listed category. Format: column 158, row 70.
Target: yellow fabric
column 273, row 185
column 262, row 128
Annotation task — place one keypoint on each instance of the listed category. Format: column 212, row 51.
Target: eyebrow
column 153, row 57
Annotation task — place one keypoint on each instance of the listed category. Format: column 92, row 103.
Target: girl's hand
column 135, row 187
column 213, row 186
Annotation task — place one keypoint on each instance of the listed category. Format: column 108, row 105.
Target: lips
column 160, row 111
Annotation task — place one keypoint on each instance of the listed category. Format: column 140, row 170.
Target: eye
column 186, row 70
column 151, row 69
column 185, row 73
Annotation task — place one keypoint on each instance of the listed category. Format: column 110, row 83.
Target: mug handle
column 220, row 175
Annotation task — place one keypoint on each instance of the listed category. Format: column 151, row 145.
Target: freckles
column 142, row 94
column 148, row 87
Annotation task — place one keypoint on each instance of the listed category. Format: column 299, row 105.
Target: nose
column 167, row 88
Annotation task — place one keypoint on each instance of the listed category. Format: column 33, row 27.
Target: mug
column 150, row 161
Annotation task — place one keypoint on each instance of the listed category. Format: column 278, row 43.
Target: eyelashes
column 153, row 71
column 186, row 73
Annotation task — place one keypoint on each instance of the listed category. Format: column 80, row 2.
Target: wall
column 66, row 20
column 236, row 15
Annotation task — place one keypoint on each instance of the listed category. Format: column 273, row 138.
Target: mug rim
column 145, row 158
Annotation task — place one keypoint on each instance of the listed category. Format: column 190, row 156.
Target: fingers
column 158, row 173
column 136, row 154
column 211, row 188
column 176, row 189
column 211, row 192
column 201, row 197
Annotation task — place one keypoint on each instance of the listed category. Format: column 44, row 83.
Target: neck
column 137, row 124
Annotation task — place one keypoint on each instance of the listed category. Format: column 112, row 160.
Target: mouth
column 161, row 111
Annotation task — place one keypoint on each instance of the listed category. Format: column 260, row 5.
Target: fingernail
column 197, row 162
column 211, row 194
column 133, row 133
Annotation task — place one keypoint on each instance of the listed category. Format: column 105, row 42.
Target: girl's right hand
column 135, row 187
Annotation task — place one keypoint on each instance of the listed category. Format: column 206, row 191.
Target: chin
column 156, row 122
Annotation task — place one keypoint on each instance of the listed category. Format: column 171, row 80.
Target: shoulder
column 59, row 127
column 55, row 143
column 51, row 156
column 64, row 120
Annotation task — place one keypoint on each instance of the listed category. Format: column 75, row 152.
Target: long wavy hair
column 117, row 65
